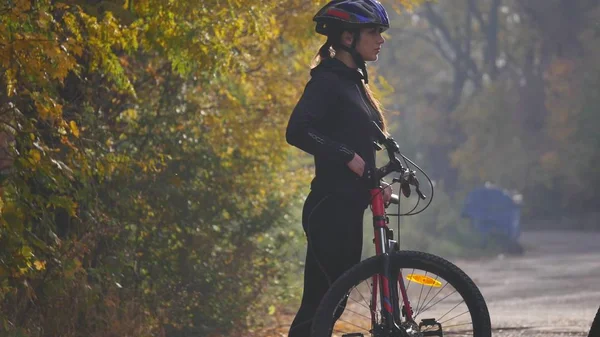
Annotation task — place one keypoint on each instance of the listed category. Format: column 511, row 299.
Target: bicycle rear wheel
column 444, row 300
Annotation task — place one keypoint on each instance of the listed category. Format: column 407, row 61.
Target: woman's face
column 369, row 44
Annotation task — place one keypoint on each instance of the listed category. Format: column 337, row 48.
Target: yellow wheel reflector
column 424, row 280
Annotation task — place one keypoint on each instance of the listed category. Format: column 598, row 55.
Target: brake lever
column 405, row 188
column 421, row 195
column 404, row 183
column 414, row 181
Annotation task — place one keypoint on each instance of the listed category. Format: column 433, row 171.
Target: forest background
column 146, row 186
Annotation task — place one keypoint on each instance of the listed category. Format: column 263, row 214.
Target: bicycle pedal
column 355, row 334
column 433, row 333
column 431, row 323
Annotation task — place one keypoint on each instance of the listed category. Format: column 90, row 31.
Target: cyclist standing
column 333, row 122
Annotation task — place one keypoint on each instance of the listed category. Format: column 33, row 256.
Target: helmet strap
column 358, row 59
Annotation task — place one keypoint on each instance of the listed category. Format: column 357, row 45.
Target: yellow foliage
column 404, row 5
column 79, row 67
column 34, row 156
column 74, row 128
column 39, row 265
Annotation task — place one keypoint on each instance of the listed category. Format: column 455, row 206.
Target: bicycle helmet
column 351, row 15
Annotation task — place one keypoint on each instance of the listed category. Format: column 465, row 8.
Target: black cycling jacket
column 333, row 121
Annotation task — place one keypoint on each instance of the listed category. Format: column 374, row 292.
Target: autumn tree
column 147, row 188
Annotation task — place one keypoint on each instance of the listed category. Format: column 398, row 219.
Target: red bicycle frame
column 382, row 281
column 384, row 244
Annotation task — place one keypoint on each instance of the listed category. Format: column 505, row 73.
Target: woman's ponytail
column 324, row 53
column 325, row 50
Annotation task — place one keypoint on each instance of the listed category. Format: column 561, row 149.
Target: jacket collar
column 336, row 66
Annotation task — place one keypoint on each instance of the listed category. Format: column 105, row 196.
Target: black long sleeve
column 309, row 118
column 333, row 122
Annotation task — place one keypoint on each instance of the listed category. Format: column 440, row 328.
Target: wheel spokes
column 443, row 304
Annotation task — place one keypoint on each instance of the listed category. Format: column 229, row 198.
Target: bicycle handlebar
column 407, row 177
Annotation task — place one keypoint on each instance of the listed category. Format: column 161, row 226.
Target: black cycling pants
column 333, row 227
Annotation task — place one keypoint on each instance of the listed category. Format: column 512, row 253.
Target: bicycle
column 375, row 296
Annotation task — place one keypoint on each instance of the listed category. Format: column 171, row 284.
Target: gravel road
column 552, row 290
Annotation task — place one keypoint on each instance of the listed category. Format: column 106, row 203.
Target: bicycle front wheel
column 595, row 328
column 444, row 301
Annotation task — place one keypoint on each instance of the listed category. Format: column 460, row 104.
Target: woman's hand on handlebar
column 357, row 165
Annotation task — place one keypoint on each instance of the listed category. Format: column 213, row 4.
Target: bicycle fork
column 382, row 287
column 386, row 289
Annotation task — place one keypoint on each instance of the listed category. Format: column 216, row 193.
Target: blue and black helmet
column 351, row 14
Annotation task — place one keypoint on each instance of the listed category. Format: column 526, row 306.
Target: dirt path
column 553, row 290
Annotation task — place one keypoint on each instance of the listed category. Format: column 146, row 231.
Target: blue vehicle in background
column 496, row 216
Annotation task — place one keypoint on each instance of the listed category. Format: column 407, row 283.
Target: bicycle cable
column 430, row 184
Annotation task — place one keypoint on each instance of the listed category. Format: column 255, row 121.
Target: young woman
column 333, row 121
